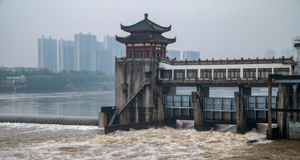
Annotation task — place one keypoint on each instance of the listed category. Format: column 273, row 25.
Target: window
column 219, row 73
column 264, row 72
column 129, row 54
column 233, row 73
column 206, row 73
column 179, row 74
column 249, row 73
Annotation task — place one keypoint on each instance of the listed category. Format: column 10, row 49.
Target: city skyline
column 84, row 53
column 218, row 30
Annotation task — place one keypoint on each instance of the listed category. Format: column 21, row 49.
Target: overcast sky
column 218, row 29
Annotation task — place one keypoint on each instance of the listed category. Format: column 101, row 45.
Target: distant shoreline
column 72, row 88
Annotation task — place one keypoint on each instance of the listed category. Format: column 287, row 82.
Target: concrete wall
column 293, row 130
column 130, row 74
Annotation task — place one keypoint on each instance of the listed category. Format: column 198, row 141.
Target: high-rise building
column 114, row 47
column 173, row 54
column 269, row 54
column 120, row 52
column 101, row 60
column 191, row 55
column 99, row 45
column 109, row 43
column 47, row 49
column 66, row 55
column 287, row 53
column 83, row 45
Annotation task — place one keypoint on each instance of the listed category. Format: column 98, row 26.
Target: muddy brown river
column 42, row 141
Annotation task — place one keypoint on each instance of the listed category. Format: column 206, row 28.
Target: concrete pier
column 240, row 108
column 197, row 100
column 102, row 119
column 287, row 104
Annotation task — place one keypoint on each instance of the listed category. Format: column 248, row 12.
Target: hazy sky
column 217, row 28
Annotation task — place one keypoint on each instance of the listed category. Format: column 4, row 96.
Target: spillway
column 86, row 121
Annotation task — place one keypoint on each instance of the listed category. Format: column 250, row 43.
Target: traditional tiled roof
column 145, row 25
column 148, row 38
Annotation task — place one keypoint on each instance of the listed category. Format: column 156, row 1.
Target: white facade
column 212, row 68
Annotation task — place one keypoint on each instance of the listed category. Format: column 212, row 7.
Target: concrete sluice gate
column 86, row 121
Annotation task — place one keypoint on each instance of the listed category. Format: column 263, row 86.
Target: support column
column 144, row 53
column 185, row 73
column 242, row 73
column 226, row 72
column 239, row 99
column 173, row 76
column 204, row 90
column 159, row 72
column 212, row 74
column 281, row 116
column 269, row 136
column 126, row 51
column 198, row 111
column 240, row 113
column 102, row 119
column 256, row 73
column 295, row 102
column 158, row 98
column 199, row 73
column 132, row 50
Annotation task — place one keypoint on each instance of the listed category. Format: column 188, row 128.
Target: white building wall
column 166, row 66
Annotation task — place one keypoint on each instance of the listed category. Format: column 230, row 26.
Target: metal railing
column 129, row 99
column 215, row 78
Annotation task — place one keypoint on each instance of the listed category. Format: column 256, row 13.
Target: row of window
column 139, row 54
column 220, row 74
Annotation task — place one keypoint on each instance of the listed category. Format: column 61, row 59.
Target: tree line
column 48, row 80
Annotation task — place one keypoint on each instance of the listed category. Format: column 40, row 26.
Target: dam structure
column 146, row 81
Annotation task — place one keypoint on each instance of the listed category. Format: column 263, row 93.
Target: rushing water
column 41, row 141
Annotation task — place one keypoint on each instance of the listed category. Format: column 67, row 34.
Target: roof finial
column 146, row 15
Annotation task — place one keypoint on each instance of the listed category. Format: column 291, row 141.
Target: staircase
column 129, row 99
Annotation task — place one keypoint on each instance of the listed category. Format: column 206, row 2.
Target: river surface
column 85, row 104
column 42, row 141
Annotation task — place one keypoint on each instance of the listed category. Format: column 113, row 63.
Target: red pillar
column 132, row 50
column 126, row 51
column 144, row 50
column 151, row 50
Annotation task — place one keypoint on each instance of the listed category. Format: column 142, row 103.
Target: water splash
column 35, row 141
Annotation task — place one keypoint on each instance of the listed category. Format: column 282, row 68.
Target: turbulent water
column 40, row 141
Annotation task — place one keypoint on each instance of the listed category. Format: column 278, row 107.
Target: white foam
column 42, row 141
